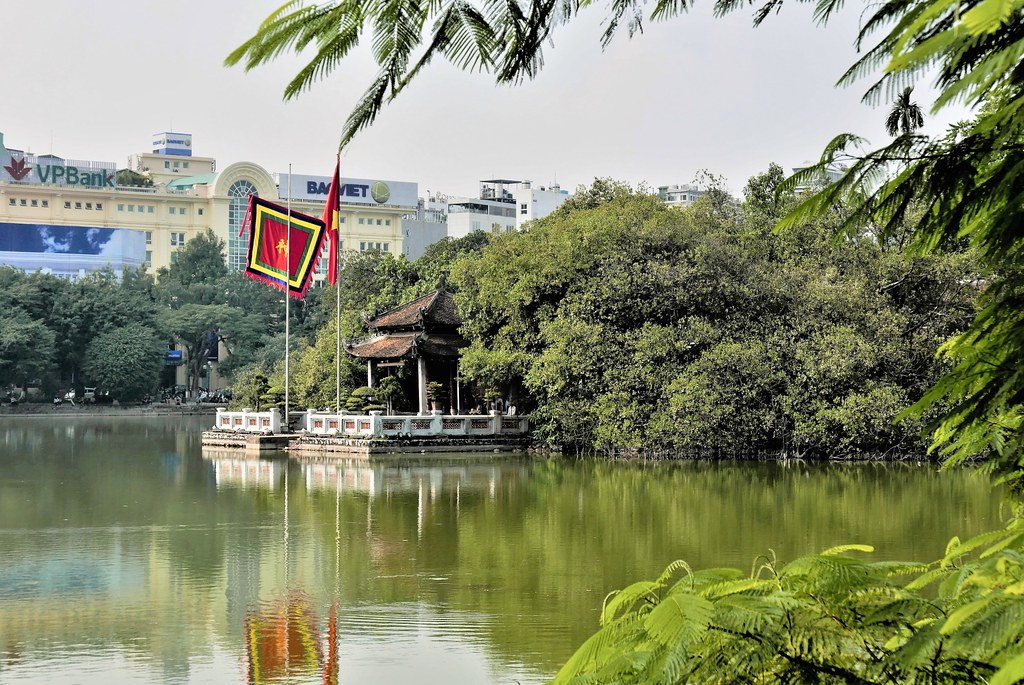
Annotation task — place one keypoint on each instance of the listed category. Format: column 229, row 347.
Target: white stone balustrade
column 432, row 425
column 248, row 421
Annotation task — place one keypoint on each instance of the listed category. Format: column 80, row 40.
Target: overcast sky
column 94, row 80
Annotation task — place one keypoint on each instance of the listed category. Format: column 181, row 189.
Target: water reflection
column 129, row 555
column 286, row 638
column 239, row 472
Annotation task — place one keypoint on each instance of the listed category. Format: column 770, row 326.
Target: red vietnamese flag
column 331, row 223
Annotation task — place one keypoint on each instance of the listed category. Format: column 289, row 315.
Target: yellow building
column 70, row 217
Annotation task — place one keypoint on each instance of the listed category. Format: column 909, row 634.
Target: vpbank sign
column 74, row 176
column 354, row 191
column 53, row 170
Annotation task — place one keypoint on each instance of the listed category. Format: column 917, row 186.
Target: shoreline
column 133, row 410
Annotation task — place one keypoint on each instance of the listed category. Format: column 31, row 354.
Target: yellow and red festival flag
column 269, row 248
column 331, row 223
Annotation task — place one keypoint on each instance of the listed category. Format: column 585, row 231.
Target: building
column 503, row 205
column 679, row 195
column 423, row 334
column 70, row 217
column 830, row 174
column 427, row 225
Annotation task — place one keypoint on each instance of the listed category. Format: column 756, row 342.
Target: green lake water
column 128, row 555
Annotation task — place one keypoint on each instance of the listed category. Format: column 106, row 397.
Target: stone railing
column 434, row 424
column 248, row 421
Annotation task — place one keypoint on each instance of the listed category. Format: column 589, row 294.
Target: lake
column 129, row 555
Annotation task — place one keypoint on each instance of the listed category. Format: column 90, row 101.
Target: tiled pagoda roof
column 434, row 310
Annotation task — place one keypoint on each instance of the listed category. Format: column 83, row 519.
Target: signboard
column 354, row 191
column 52, row 170
column 170, row 143
column 173, row 358
column 70, row 250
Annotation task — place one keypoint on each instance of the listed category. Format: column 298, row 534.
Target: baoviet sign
column 359, row 191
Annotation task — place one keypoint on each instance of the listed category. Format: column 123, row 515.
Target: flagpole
column 337, row 294
column 287, row 297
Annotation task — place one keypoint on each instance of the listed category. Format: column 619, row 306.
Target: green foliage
column 829, row 617
column 361, row 399
column 127, row 177
column 200, row 261
column 630, row 326
column 26, row 348
column 389, row 390
column 249, row 386
column 126, row 361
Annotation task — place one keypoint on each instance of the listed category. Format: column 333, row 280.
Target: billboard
column 354, row 191
column 170, row 143
column 70, row 251
column 53, row 170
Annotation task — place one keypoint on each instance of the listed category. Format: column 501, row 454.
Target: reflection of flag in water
column 269, row 249
column 282, row 640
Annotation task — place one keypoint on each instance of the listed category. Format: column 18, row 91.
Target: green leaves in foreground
column 830, row 617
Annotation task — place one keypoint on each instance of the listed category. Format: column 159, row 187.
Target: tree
column 200, row 261
column 26, row 348
column 126, row 361
column 127, row 177
column 905, row 117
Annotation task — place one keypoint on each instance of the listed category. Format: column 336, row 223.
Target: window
column 120, row 207
column 149, row 237
column 12, row 202
column 387, row 222
column 238, row 245
column 362, row 247
column 200, row 211
column 176, row 165
column 181, row 238
column 99, row 205
column 131, row 208
column 174, row 239
column 181, row 210
column 172, row 210
column 149, row 209
column 523, row 208
column 149, row 258
column 23, row 202
column 46, row 203
column 186, row 165
column 361, row 220
column 378, row 222
column 341, row 219
column 88, row 205
column 141, row 209
column 167, row 165
column 78, row 205
column 387, row 246
column 35, row 203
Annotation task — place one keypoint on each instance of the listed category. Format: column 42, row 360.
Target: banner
column 331, row 223
column 271, row 243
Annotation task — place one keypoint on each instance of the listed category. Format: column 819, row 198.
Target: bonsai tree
column 361, row 400
column 389, row 391
column 436, row 395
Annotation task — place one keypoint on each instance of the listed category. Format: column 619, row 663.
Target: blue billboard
column 70, row 251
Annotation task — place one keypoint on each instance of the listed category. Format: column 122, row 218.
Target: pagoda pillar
column 421, row 373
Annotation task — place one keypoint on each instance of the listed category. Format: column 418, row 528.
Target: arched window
column 239, row 193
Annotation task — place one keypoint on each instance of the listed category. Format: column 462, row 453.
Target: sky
column 94, row 80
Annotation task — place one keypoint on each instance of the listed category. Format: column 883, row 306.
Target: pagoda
column 424, row 332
